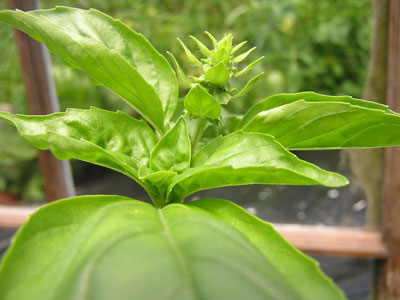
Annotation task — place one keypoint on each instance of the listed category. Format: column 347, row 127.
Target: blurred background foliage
column 309, row 45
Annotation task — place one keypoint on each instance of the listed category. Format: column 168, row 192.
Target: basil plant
column 114, row 247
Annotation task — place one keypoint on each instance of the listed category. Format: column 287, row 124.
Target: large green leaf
column 173, row 151
column 299, row 270
column 282, row 99
column 111, row 247
column 111, row 53
column 111, row 139
column 311, row 121
column 247, row 158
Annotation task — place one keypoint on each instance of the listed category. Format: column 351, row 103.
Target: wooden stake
column 389, row 288
column 42, row 99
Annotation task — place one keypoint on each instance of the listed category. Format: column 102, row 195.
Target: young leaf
column 113, row 247
column 326, row 125
column 200, row 103
column 243, row 56
column 300, row 271
column 218, row 74
column 193, row 59
column 111, row 53
column 249, row 67
column 157, row 183
column 97, row 136
column 238, row 46
column 203, row 49
column 212, row 38
column 173, row 151
column 248, row 85
column 244, row 158
column 179, row 71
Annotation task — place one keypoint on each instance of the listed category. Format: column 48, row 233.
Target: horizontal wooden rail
column 331, row 240
column 316, row 239
column 12, row 217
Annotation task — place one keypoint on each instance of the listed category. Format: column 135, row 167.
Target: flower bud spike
column 190, row 55
column 238, row 46
column 179, row 71
column 212, row 38
column 249, row 67
column 203, row 49
column 243, row 56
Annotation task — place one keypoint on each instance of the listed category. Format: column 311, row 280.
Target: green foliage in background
column 307, row 45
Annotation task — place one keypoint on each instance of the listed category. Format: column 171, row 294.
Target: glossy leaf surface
column 311, row 121
column 302, row 273
column 95, row 135
column 112, row 247
column 173, row 151
column 111, row 53
column 245, row 158
column 200, row 103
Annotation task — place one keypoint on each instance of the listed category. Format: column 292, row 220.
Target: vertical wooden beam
column 390, row 275
column 42, row 99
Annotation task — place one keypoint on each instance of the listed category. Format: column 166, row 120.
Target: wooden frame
column 326, row 240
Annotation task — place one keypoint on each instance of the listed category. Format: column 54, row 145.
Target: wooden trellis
column 382, row 245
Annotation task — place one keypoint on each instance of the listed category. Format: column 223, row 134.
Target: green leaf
column 243, row 56
column 158, row 183
column 249, row 67
column 248, row 85
column 112, row 247
column 179, row 71
column 203, row 49
column 323, row 122
column 200, row 103
column 111, row 53
column 193, row 59
column 300, row 271
column 111, row 139
column 247, row 158
column 238, row 46
column 218, row 74
column 282, row 99
column 221, row 55
column 212, row 38
column 173, row 151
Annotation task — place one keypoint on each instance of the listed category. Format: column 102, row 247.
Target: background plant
column 170, row 162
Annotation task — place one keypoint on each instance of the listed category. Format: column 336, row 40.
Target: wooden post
column 389, row 282
column 42, row 99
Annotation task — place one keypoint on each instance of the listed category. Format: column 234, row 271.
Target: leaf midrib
column 183, row 265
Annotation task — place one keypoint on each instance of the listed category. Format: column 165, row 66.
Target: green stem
column 198, row 134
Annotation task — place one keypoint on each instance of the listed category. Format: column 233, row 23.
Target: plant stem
column 198, row 134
